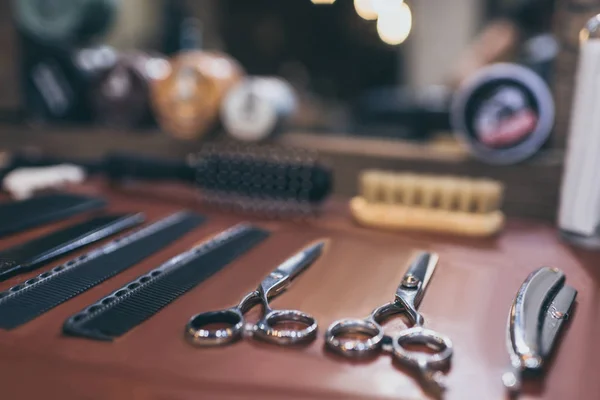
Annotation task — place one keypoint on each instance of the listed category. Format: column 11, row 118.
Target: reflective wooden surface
column 468, row 299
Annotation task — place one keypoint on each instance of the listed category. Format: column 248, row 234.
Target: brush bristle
column 446, row 193
column 261, row 177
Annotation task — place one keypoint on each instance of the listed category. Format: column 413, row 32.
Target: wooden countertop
column 467, row 299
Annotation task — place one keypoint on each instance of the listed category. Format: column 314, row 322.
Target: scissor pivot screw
column 410, row 281
column 557, row 314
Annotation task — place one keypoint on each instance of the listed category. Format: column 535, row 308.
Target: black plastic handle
column 120, row 166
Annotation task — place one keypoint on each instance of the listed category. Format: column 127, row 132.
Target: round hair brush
column 261, row 179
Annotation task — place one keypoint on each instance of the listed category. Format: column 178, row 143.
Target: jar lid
column 504, row 113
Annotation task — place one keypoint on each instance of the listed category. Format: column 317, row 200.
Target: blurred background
column 368, row 83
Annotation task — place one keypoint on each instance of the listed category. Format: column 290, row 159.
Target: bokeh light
column 382, row 7
column 394, row 25
column 365, row 9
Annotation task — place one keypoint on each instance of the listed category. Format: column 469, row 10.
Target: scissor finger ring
column 435, row 341
column 266, row 329
column 356, row 347
column 199, row 334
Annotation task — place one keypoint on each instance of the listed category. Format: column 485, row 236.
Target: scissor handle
column 355, row 348
column 423, row 361
column 197, row 333
column 266, row 329
column 368, row 327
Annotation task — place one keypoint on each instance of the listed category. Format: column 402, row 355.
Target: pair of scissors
column 408, row 297
column 198, row 333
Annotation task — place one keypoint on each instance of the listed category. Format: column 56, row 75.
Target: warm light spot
column 382, row 7
column 323, row 1
column 393, row 26
column 365, row 9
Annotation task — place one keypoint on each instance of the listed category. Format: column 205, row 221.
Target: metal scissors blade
column 290, row 268
column 415, row 281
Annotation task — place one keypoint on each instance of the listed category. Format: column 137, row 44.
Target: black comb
column 41, row 250
column 26, row 301
column 137, row 301
column 18, row 216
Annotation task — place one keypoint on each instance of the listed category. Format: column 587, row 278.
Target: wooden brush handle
column 400, row 217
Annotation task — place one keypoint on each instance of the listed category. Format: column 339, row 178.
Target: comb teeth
column 26, row 301
column 137, row 301
column 254, row 178
column 446, row 193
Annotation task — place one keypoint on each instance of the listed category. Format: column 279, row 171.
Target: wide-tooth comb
column 259, row 179
column 137, row 301
column 442, row 204
column 34, row 297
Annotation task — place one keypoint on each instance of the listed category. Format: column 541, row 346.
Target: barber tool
column 28, row 300
column 540, row 309
column 257, row 107
column 23, row 158
column 22, row 215
column 27, row 172
column 23, row 183
column 247, row 178
column 119, row 312
column 187, row 94
column 399, row 201
column 198, row 333
column 56, row 81
column 120, row 96
column 579, row 214
column 64, row 21
column 504, row 113
column 32, row 255
column 339, row 337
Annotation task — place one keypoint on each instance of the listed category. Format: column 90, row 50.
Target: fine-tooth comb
column 26, row 301
column 454, row 205
column 17, row 216
column 41, row 250
column 257, row 179
column 140, row 299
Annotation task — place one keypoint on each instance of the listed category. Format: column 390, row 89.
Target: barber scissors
column 277, row 281
column 408, row 297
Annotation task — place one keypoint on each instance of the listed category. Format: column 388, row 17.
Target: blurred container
column 579, row 215
column 187, row 93
column 257, row 108
column 60, row 22
column 56, row 81
column 120, row 96
column 403, row 112
column 504, row 113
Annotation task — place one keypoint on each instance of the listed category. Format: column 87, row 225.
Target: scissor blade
column 420, row 270
column 301, row 260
